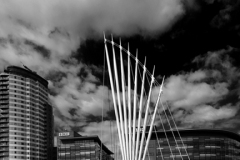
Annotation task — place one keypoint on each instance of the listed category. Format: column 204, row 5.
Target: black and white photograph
column 119, row 79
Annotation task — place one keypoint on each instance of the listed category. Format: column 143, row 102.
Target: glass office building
column 73, row 146
column 26, row 118
column 203, row 144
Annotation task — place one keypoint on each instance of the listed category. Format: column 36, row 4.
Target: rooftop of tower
column 26, row 72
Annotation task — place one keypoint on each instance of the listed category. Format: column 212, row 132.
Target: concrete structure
column 26, row 118
column 73, row 146
column 200, row 144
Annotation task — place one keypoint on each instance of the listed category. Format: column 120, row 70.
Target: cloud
column 196, row 76
column 207, row 113
column 64, row 123
column 229, row 123
column 206, row 97
column 187, row 90
column 227, row 15
column 220, row 63
column 44, row 35
column 84, row 17
column 75, row 100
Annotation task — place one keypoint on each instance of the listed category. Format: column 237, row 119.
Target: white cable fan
column 134, row 131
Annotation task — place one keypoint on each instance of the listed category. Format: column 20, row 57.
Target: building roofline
column 197, row 132
column 26, row 72
column 95, row 138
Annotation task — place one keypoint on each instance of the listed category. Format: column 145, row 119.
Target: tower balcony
column 4, row 154
column 4, row 111
column 4, row 135
column 4, row 116
column 4, row 125
column 2, row 93
column 4, row 139
column 4, row 82
column 4, row 144
column 4, row 130
column 4, row 97
column 4, row 106
column 3, row 121
column 4, row 78
column 4, row 88
column 4, row 149
column 4, row 102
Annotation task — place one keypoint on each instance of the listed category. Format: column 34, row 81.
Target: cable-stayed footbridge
column 138, row 104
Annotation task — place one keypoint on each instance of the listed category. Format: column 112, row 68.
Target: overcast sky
column 194, row 43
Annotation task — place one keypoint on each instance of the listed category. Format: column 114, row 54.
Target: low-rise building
column 73, row 146
column 194, row 144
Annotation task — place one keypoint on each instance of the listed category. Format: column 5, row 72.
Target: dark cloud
column 39, row 48
column 206, row 98
column 227, row 17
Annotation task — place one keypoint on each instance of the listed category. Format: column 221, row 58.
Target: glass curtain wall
column 198, row 148
column 80, row 149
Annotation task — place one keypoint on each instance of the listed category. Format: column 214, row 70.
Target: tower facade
column 26, row 118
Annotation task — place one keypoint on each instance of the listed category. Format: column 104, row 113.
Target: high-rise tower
column 26, row 118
